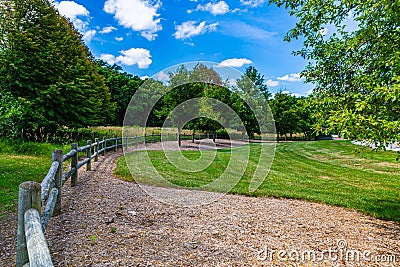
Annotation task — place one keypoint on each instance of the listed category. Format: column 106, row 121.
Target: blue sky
column 145, row 36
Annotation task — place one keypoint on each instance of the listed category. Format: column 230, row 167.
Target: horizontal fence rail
column 32, row 249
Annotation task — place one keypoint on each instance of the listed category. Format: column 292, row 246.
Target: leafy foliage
column 11, row 114
column 46, row 67
column 292, row 115
column 141, row 110
column 250, row 100
column 356, row 71
column 122, row 87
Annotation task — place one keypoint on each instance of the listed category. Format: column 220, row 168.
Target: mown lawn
column 333, row 172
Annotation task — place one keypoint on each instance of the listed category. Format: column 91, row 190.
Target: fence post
column 116, row 144
column 89, row 155
column 167, row 136
column 74, row 164
column 58, row 156
column 152, row 137
column 145, row 138
column 96, row 149
column 29, row 196
column 208, row 135
column 104, row 145
column 192, row 137
column 126, row 141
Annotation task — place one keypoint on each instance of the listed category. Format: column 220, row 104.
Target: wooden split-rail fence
column 32, row 249
column 33, row 197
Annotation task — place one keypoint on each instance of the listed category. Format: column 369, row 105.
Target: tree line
column 50, row 80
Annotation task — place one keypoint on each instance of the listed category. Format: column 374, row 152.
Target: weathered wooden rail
column 38, row 202
column 33, row 198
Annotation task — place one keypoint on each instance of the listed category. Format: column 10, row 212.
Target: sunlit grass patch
column 333, row 172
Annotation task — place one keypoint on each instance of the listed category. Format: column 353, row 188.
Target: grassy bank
column 21, row 162
column 337, row 173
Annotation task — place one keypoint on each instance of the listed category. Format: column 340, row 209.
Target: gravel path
column 109, row 222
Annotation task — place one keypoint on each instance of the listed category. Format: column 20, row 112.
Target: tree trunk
column 179, row 137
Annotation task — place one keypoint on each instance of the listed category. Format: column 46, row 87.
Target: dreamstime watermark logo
column 340, row 252
column 204, row 95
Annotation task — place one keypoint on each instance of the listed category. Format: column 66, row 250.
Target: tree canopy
column 47, row 69
column 122, row 87
column 292, row 115
column 355, row 69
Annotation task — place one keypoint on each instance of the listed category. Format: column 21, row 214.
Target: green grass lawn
column 21, row 162
column 333, row 172
column 15, row 169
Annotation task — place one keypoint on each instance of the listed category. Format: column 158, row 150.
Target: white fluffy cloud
column 110, row 59
column 119, row 39
column 107, row 29
column 253, row 3
column 149, row 35
column 134, row 56
column 88, row 36
column 219, row 8
column 77, row 13
column 162, row 77
column 272, row 83
column 235, row 62
column 139, row 56
column 189, row 29
column 139, row 15
column 294, row 77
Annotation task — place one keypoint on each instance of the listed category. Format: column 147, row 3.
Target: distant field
column 333, row 172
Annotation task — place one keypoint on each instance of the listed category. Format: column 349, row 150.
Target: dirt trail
column 110, row 222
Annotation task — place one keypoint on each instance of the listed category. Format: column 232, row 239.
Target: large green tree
column 145, row 109
column 356, row 69
column 250, row 99
column 122, row 87
column 47, row 68
column 293, row 115
column 286, row 115
column 259, row 81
